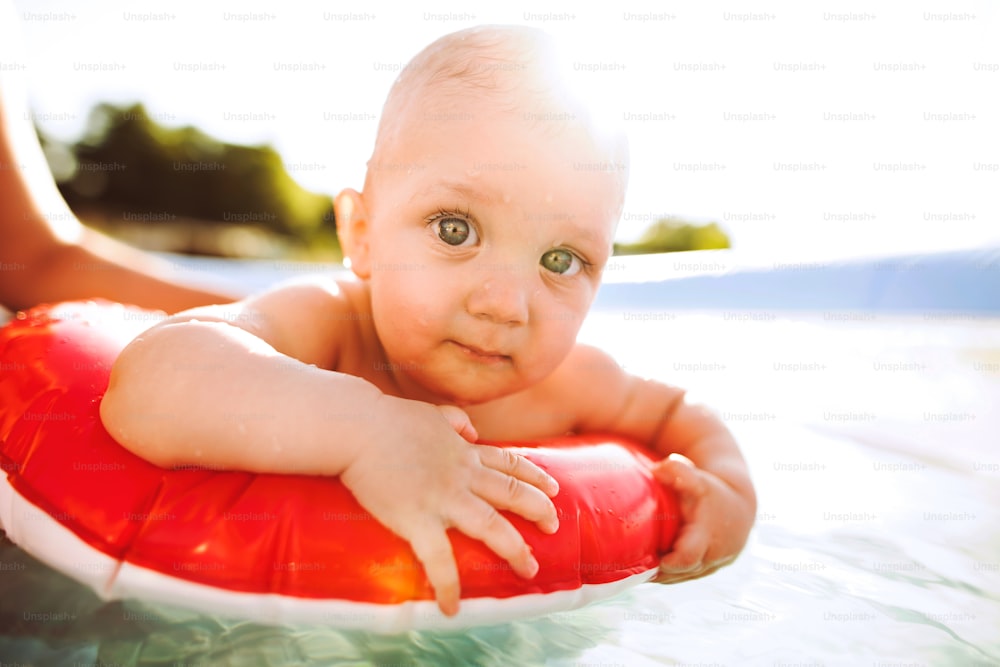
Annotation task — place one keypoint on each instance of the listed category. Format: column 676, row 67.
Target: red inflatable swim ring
column 278, row 548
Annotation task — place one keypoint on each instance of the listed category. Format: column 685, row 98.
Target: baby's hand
column 716, row 521
column 421, row 478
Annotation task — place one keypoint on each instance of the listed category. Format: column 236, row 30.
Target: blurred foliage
column 131, row 169
column 675, row 235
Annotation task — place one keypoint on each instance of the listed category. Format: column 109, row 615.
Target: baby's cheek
column 551, row 357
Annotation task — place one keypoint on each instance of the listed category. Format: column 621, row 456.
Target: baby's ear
column 352, row 230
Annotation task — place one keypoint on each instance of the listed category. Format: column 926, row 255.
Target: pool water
column 872, row 440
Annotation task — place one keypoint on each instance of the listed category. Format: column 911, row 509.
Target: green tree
column 675, row 235
column 128, row 162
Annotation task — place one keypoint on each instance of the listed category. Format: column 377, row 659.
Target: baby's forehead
column 516, row 70
column 479, row 76
column 490, row 62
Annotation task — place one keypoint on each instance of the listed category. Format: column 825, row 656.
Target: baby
column 477, row 245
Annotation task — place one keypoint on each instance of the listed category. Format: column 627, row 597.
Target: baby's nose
column 500, row 298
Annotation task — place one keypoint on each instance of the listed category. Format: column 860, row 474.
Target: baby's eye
column 455, row 231
column 561, row 261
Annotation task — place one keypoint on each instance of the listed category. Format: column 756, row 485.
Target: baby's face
column 486, row 241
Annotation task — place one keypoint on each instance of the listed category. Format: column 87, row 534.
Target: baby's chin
column 467, row 399
column 464, row 393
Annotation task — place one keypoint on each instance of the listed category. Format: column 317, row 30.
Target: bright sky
column 807, row 128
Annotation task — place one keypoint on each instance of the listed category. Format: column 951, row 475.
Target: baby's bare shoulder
column 316, row 288
column 587, row 365
column 311, row 296
column 308, row 318
column 606, row 397
column 588, row 386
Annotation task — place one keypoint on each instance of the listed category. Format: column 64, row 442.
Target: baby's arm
column 242, row 387
column 702, row 461
column 710, row 476
column 226, row 387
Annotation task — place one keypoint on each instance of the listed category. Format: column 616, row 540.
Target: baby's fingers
column 433, row 550
column 459, row 420
column 481, row 521
column 687, row 558
column 509, row 493
column 519, row 467
column 678, row 472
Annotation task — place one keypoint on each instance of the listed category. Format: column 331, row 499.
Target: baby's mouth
column 480, row 355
